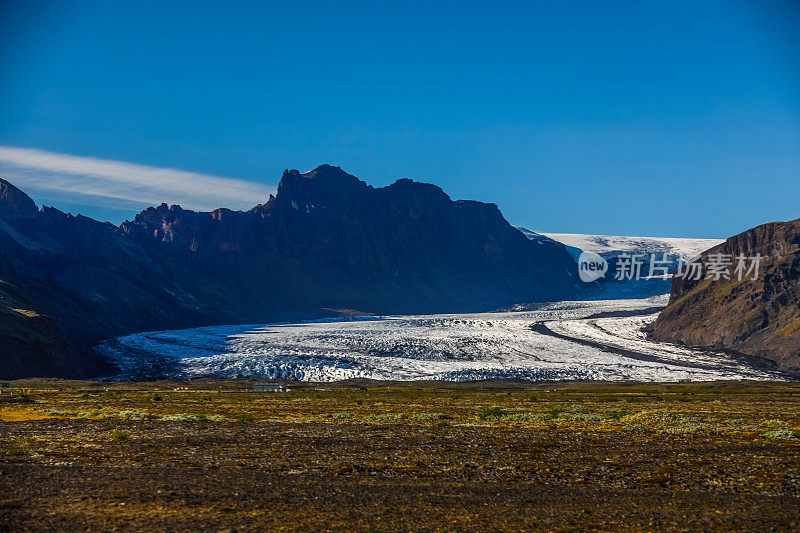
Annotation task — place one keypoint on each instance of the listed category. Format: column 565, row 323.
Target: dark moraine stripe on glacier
column 541, row 328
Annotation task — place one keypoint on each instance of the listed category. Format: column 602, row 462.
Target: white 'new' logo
column 591, row 267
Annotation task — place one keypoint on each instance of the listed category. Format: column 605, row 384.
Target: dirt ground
column 389, row 457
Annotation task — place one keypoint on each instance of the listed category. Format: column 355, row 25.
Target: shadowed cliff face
column 328, row 240
column 325, row 241
column 31, row 343
column 760, row 317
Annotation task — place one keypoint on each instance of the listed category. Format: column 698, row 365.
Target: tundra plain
column 368, row 455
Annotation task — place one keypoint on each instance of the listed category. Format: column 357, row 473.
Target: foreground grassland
column 382, row 456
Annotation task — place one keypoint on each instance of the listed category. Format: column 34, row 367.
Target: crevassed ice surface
column 575, row 344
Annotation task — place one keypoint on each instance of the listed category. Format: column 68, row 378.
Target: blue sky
column 628, row 118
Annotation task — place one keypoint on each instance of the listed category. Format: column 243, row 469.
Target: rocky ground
column 383, row 456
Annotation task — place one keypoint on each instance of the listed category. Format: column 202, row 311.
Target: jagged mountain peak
column 14, row 203
column 323, row 173
column 326, row 171
column 321, row 184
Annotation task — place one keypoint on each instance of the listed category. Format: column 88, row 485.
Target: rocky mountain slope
column 757, row 317
column 326, row 242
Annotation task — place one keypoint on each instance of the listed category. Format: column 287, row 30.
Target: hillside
column 756, row 317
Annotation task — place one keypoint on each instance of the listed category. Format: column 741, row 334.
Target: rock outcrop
column 758, row 317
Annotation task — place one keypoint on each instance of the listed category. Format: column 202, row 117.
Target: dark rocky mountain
column 756, row 317
column 326, row 242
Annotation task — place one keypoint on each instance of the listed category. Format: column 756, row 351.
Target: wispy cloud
column 123, row 186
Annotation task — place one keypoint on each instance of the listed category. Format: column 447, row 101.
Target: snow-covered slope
column 650, row 251
column 688, row 248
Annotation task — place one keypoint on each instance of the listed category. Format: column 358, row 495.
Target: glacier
column 573, row 340
column 687, row 248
